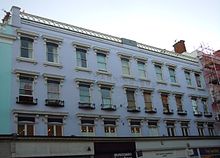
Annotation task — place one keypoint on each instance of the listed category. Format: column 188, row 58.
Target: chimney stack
column 179, row 47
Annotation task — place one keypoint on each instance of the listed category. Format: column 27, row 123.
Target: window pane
column 26, row 47
column 59, row 130
column 26, row 84
column 50, row 130
column 125, row 66
column 21, row 130
column 30, row 130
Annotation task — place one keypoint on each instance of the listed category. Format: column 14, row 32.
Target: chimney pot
column 179, row 47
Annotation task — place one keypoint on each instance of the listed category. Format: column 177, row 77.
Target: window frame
column 188, row 78
column 101, row 54
column 185, row 128
column 54, row 54
column 79, row 60
column 148, row 104
column 171, row 131
column 110, row 95
column 87, row 124
column 195, row 106
column 125, row 63
column 131, row 103
column 152, row 127
column 55, row 124
column 179, row 102
column 26, row 123
column 198, row 80
column 172, row 76
column 31, row 82
column 30, row 51
column 142, row 70
column 88, row 86
column 200, row 128
column 135, row 127
column 158, row 72
column 58, row 92
column 110, row 127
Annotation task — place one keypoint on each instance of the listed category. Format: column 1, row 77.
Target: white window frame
column 185, row 128
column 79, row 60
column 98, row 54
column 89, row 91
column 158, row 72
column 32, row 85
column 135, row 128
column 200, row 128
column 198, row 80
column 195, row 106
column 54, row 54
column 108, row 127
column 30, row 50
column 58, row 93
column 171, row 131
column 26, row 123
column 172, row 76
column 188, row 78
column 87, row 126
column 110, row 94
column 127, row 66
column 146, row 103
column 134, row 101
column 54, row 125
column 153, row 128
column 142, row 70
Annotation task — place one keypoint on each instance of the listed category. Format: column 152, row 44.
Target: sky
column 157, row 23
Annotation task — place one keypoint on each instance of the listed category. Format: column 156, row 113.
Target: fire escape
column 210, row 61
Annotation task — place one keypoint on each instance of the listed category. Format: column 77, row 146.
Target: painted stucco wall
column 70, row 93
column 5, row 80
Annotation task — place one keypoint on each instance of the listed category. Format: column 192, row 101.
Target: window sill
column 83, row 69
column 128, row 77
column 201, row 89
column 29, row 60
column 144, row 79
column 53, row 64
column 191, row 87
column 175, row 84
column 101, row 72
column 162, row 82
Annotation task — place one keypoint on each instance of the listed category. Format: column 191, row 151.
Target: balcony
column 86, row 105
column 133, row 109
column 108, row 107
column 181, row 112
column 167, row 111
column 54, row 103
column 150, row 110
column 28, row 100
column 197, row 113
column 208, row 114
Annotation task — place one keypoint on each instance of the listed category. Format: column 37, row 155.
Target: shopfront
column 115, row 150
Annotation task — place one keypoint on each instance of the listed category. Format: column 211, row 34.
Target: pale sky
column 157, row 23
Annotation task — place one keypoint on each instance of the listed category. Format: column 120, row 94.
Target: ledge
column 28, row 60
column 175, row 84
column 53, row 64
column 144, row 79
column 128, row 77
column 191, row 87
column 162, row 82
column 83, row 69
column 100, row 72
